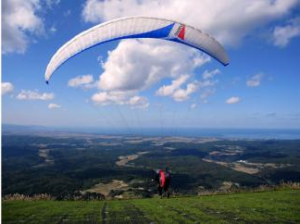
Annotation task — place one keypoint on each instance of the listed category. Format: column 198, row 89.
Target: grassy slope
column 266, row 207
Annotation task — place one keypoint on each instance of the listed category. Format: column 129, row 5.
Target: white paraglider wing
column 137, row 27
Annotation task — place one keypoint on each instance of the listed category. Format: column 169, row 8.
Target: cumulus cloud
column 233, row 100
column 109, row 97
column 19, row 18
column 183, row 94
column 228, row 21
column 34, row 95
column 283, row 34
column 255, row 80
column 120, row 98
column 205, row 85
column 6, row 88
column 52, row 106
column 83, row 81
column 167, row 90
column 137, row 65
column 138, row 102
column 210, row 74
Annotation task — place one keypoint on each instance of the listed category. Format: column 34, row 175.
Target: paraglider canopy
column 137, row 27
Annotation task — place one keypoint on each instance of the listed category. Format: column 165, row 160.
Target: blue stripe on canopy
column 159, row 33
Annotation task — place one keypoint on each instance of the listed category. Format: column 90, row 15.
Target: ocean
column 241, row 133
column 284, row 134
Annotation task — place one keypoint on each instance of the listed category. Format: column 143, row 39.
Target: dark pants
column 162, row 190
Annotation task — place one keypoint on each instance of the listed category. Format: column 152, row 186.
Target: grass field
column 264, row 207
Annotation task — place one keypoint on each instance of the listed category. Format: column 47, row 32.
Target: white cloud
column 6, row 88
column 120, row 98
column 183, row 94
column 83, row 81
column 109, row 97
column 283, row 34
column 208, row 84
column 255, row 80
column 168, row 90
column 34, row 95
column 53, row 106
column 179, row 94
column 210, row 74
column 138, row 102
column 233, row 100
column 228, row 21
column 137, row 65
column 19, row 18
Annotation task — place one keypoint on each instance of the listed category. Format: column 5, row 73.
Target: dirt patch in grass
column 235, row 166
column 123, row 160
column 247, row 167
column 105, row 189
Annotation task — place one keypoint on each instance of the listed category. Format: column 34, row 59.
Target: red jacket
column 162, row 178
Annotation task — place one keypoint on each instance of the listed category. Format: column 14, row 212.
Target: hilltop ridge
column 281, row 206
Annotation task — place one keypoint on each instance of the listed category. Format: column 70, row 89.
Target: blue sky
column 259, row 89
